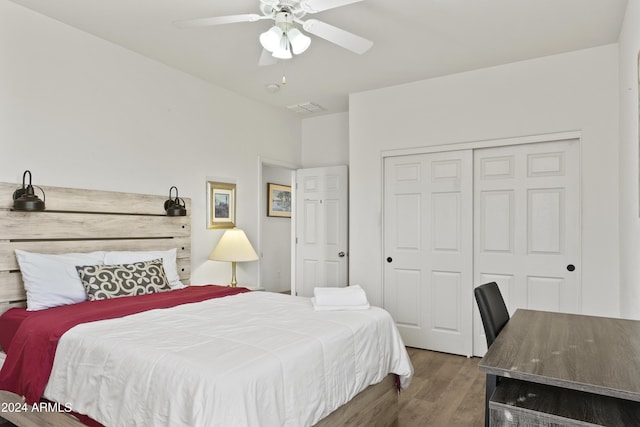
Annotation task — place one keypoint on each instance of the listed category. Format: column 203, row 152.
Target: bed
column 88, row 220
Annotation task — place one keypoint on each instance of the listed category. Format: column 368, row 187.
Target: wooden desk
column 552, row 354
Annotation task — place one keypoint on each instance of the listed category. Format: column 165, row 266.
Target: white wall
column 81, row 112
column 275, row 270
column 629, row 48
column 325, row 140
column 577, row 91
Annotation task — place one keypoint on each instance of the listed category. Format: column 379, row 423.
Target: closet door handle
column 571, row 267
column 389, row 259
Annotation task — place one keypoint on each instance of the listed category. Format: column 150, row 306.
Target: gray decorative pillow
column 119, row 280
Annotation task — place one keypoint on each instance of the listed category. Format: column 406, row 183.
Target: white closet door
column 527, row 227
column 428, row 249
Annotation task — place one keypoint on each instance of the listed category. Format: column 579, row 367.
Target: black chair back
column 493, row 310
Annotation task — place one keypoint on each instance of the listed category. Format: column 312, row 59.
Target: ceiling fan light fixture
column 299, row 41
column 283, row 51
column 271, row 39
column 286, row 14
column 282, row 54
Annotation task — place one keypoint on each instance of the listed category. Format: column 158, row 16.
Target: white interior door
column 428, row 249
column 527, row 227
column 321, row 228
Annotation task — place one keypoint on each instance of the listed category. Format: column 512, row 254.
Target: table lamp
column 233, row 246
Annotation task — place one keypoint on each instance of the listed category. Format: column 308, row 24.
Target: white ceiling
column 413, row 40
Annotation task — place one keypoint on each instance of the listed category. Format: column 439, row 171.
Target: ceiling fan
column 284, row 38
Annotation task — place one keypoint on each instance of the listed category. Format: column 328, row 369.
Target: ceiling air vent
column 306, row 108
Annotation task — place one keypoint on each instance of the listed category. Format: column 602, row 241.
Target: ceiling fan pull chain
column 284, row 72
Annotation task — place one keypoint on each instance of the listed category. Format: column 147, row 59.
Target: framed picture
column 278, row 200
column 221, row 205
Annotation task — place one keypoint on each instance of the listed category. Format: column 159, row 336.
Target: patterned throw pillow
column 119, row 280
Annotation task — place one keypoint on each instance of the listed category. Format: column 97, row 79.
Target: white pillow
column 168, row 262
column 52, row 280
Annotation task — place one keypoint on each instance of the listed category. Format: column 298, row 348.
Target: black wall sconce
column 25, row 199
column 175, row 207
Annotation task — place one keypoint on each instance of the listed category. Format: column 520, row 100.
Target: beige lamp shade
column 233, row 246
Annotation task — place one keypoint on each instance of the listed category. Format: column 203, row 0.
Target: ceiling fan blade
column 337, row 36
column 266, row 58
column 313, row 6
column 218, row 20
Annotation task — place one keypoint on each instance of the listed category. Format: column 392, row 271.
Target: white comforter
column 253, row 359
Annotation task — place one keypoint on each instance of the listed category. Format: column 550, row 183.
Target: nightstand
column 252, row 288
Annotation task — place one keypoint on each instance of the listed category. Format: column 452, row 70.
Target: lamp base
column 234, row 282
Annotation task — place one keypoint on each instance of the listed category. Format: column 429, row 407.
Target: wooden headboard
column 78, row 220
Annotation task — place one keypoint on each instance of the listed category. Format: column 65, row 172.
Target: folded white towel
column 342, row 297
column 317, row 307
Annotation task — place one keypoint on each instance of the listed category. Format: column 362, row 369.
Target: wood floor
column 446, row 390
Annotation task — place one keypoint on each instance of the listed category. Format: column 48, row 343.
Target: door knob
column 341, row 254
column 571, row 267
column 389, row 259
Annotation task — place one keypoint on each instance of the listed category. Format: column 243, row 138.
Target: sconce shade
column 176, row 210
column 233, row 246
column 25, row 199
column 175, row 207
